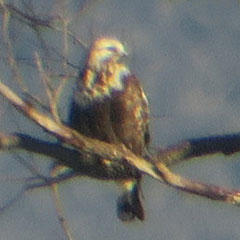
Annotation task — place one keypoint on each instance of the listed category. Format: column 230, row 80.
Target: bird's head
column 103, row 50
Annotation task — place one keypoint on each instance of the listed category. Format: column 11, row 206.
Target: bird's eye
column 113, row 49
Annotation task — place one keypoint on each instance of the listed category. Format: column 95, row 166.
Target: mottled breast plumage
column 98, row 86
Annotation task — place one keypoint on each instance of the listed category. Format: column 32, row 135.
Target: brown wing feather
column 130, row 116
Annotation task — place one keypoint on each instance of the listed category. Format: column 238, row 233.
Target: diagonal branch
column 117, row 153
column 82, row 143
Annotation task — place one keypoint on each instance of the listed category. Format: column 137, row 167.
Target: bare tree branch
column 226, row 144
column 36, row 22
column 117, row 153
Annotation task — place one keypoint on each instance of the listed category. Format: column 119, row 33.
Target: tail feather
column 129, row 205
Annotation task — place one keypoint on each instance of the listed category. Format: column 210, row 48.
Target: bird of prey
column 109, row 104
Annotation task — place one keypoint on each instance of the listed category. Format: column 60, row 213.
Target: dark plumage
column 109, row 104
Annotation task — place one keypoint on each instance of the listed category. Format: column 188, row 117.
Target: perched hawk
column 109, row 104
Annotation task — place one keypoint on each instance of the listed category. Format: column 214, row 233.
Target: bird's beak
column 125, row 53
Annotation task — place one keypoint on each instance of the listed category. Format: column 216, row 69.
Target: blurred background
column 187, row 55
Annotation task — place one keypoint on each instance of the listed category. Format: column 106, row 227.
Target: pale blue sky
column 187, row 55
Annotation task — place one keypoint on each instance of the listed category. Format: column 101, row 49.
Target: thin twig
column 34, row 21
column 59, row 206
column 7, row 41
